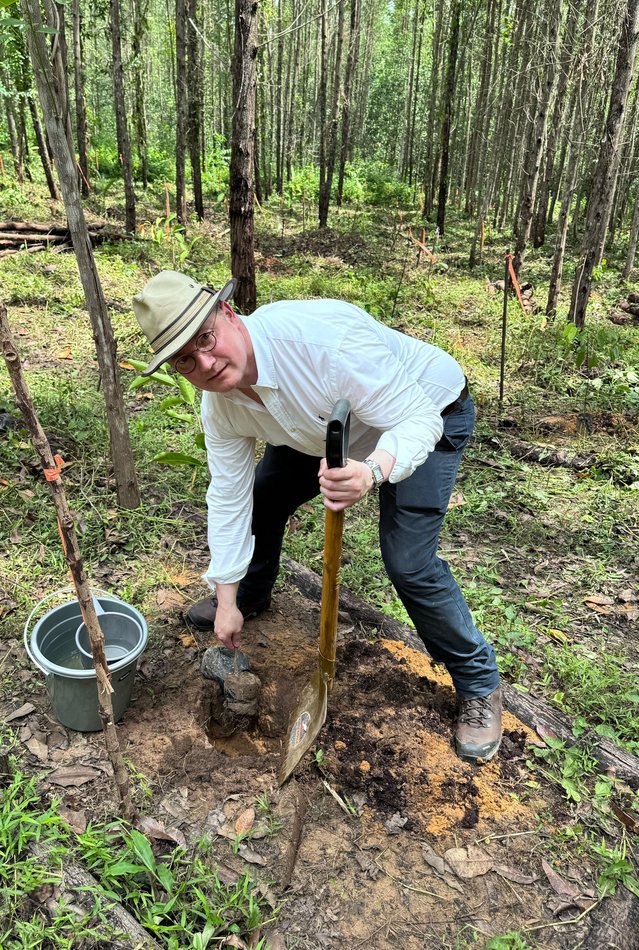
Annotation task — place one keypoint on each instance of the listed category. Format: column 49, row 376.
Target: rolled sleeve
column 386, row 399
column 230, row 504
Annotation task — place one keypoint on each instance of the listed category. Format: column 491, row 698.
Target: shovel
column 309, row 715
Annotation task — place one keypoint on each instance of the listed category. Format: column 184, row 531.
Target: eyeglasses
column 205, row 342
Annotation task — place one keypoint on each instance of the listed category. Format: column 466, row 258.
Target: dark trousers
column 411, row 515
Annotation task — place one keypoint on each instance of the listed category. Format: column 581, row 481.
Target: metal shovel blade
column 306, row 721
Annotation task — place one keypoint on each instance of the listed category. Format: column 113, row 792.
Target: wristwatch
column 378, row 475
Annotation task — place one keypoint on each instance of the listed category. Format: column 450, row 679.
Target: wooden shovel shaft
column 334, row 527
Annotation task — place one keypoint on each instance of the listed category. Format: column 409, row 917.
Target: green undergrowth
column 176, row 895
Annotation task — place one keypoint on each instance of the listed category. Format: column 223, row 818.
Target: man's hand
column 228, row 626
column 228, row 618
column 342, row 487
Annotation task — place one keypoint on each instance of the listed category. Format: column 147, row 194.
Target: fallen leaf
column 558, row 883
column 168, row 599
column 629, row 821
column 234, row 941
column 24, row 710
column 512, row 874
column 76, row 820
column 367, row 865
column 73, row 775
column 245, row 821
column 457, row 499
column 248, row 854
column 598, row 600
column 629, row 612
column 65, row 354
column 154, row 829
column 558, row 635
column 37, row 748
column 440, row 867
column 468, row 862
column 628, row 596
column 395, row 823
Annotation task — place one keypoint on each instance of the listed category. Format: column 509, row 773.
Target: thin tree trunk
column 80, row 105
column 351, row 68
column 121, row 454
column 140, row 26
column 431, row 163
column 531, row 181
column 633, row 240
column 124, row 144
column 241, row 208
column 331, row 132
column 605, row 174
column 181, row 111
column 321, row 105
column 42, row 150
column 451, row 68
column 195, row 96
column 76, row 565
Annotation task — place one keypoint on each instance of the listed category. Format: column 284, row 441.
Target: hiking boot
column 202, row 615
column 478, row 732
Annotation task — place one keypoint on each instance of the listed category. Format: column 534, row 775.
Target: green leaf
column 123, row 868
column 176, row 458
column 200, row 440
column 142, row 849
column 171, row 401
column 187, row 390
column 165, row 878
column 178, row 416
column 138, row 382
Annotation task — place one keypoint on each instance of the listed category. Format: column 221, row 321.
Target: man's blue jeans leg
column 411, row 515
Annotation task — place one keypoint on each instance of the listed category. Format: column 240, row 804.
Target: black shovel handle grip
column 337, row 434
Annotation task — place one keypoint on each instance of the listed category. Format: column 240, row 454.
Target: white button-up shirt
column 309, row 354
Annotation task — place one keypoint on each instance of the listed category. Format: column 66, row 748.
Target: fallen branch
column 532, row 711
column 86, row 891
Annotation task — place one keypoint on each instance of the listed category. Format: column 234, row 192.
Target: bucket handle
column 27, row 626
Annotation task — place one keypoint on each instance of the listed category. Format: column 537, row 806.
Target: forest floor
column 383, row 839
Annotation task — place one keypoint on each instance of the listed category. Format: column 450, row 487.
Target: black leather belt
column 459, row 402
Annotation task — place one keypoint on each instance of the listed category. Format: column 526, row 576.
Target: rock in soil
column 219, row 662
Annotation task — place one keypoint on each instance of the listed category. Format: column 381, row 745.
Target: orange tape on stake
column 52, row 473
column 511, row 271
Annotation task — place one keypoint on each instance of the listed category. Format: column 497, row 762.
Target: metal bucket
column 72, row 688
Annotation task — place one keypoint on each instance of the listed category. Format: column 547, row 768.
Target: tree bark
column 321, row 102
column 241, row 207
column 351, row 68
column 331, row 131
column 75, row 562
column 81, row 124
column 451, row 68
column 531, row 178
column 195, row 98
column 140, row 26
column 603, row 185
column 431, row 164
column 42, row 150
column 124, row 142
column 121, row 454
column 181, row 105
column 633, row 241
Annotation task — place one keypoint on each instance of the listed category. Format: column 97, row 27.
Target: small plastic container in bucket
column 72, row 688
column 122, row 635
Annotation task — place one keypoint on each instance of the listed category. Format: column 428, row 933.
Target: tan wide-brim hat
column 171, row 308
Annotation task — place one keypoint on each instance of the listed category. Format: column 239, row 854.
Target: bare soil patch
column 364, row 871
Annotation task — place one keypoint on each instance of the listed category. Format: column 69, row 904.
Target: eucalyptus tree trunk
column 124, row 144
column 482, row 113
column 12, row 129
column 349, row 78
column 47, row 167
column 140, row 26
column 451, row 68
column 181, row 110
column 568, row 57
column 628, row 161
column 278, row 97
column 546, row 88
column 431, row 167
column 81, row 124
column 413, row 74
column 502, row 140
column 46, row 82
column 321, row 104
column 633, row 240
column 194, row 106
column 241, row 206
column 331, row 130
column 607, row 166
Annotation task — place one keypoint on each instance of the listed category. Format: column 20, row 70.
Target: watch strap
column 378, row 475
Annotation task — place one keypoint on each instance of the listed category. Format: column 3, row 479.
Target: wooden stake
column 502, row 361
column 74, row 560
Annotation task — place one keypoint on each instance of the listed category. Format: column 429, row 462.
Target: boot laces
column 476, row 711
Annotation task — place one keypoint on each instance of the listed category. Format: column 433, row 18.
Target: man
column 275, row 376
